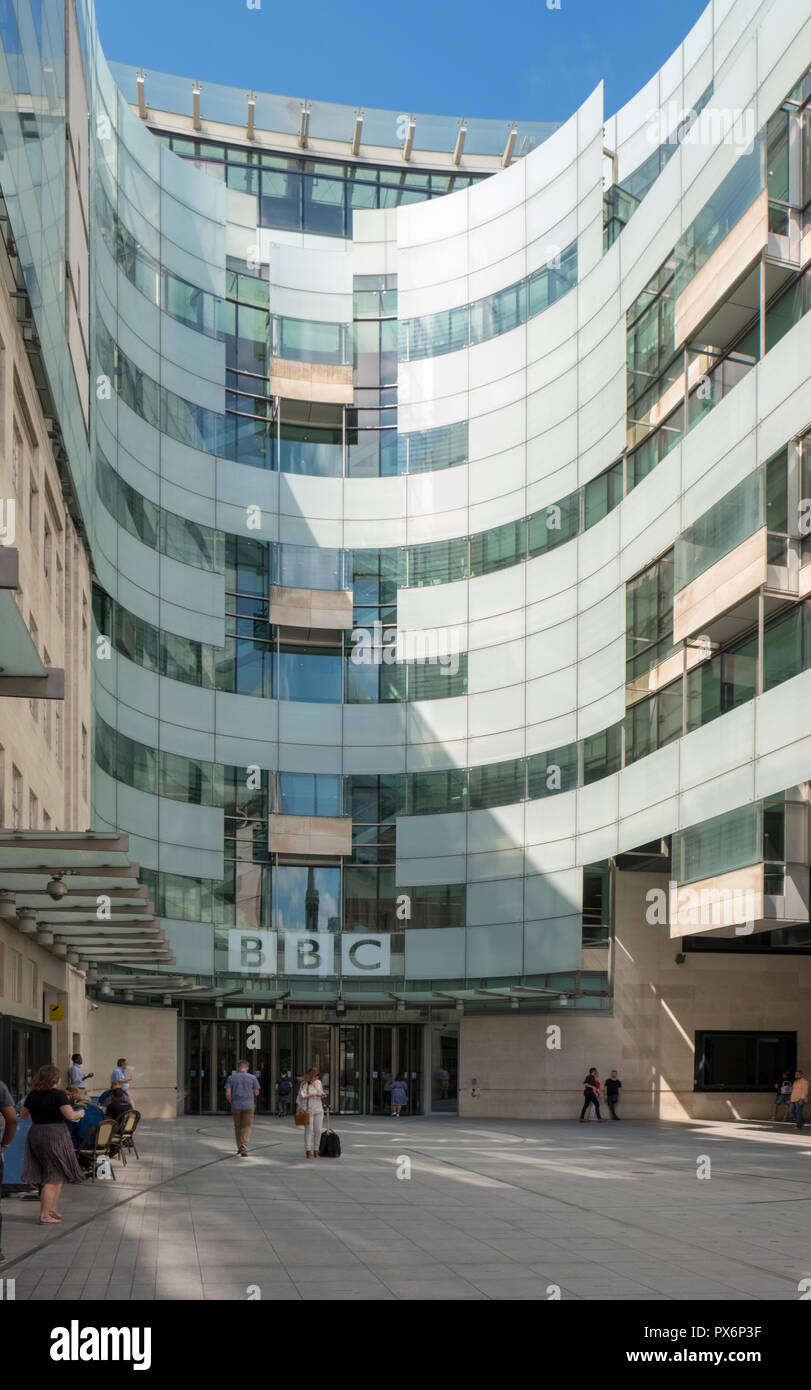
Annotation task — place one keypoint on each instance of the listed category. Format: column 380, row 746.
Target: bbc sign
column 308, row 953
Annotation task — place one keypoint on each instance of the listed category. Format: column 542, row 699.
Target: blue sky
column 516, row 60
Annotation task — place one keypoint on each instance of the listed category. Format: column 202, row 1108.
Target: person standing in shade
column 799, row 1095
column 399, row 1094
column 77, row 1076
column 782, row 1095
column 310, row 1100
column 8, row 1115
column 241, row 1090
column 591, row 1096
column 49, row 1159
column 612, row 1094
column 284, row 1088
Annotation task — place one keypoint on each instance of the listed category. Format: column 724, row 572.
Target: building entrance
column 357, row 1062
column 24, row 1048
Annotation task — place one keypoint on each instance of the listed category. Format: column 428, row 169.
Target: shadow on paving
column 431, row 1209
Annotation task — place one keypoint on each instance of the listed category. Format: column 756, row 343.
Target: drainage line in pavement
column 619, row 1221
column 115, row 1206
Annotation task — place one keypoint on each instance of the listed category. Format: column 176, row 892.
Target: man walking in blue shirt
column 120, row 1077
column 241, row 1090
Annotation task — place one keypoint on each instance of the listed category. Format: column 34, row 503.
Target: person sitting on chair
column 118, row 1105
column 91, row 1116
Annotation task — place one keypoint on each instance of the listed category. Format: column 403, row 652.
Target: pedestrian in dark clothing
column 284, row 1093
column 591, row 1096
column 612, row 1094
column 49, row 1159
column 118, row 1105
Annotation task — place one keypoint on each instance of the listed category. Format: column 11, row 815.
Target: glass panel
column 555, row 524
column 726, row 525
column 438, row 563
column 437, row 792
column 719, row 845
column 310, row 794
column 603, row 494
column 306, row 899
column 444, row 1067
column 549, row 773
column 777, row 161
column 498, row 784
column 782, row 651
column 306, row 674
column 306, row 449
column 602, row 754
column 280, row 204
column 498, row 549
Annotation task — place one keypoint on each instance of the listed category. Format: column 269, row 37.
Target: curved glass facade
column 429, row 532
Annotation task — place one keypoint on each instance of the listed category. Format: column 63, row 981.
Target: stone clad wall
column 649, row 1039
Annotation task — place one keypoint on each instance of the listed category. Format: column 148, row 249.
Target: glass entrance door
column 27, row 1046
column 357, row 1062
column 381, row 1057
column 198, row 1067
column 445, row 1067
column 350, row 1100
column 409, row 1064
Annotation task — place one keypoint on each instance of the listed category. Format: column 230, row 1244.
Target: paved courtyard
column 490, row 1211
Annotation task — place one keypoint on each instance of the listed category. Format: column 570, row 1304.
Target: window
column 33, row 705
column 601, row 754
column 307, row 897
column 85, row 788
column 307, row 794
column 58, row 745
column 309, row 673
column 16, row 799
column 649, row 617
column 739, row 1061
column 47, row 552
column 17, row 460
column 33, row 510
column 499, row 784
column 596, row 904
column 33, row 812
column 16, row 990
column 47, row 707
column 59, row 588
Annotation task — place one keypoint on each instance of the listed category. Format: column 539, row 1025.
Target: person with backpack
column 284, row 1087
column 591, row 1096
column 782, row 1095
column 399, row 1094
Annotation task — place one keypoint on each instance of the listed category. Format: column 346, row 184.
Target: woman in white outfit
column 310, row 1099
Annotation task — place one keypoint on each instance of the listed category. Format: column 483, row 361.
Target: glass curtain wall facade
column 397, row 553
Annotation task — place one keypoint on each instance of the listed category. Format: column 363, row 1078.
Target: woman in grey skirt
column 49, row 1158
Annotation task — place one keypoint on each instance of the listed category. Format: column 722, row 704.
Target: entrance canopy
column 78, row 895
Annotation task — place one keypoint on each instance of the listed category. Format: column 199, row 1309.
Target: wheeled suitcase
column 330, row 1146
